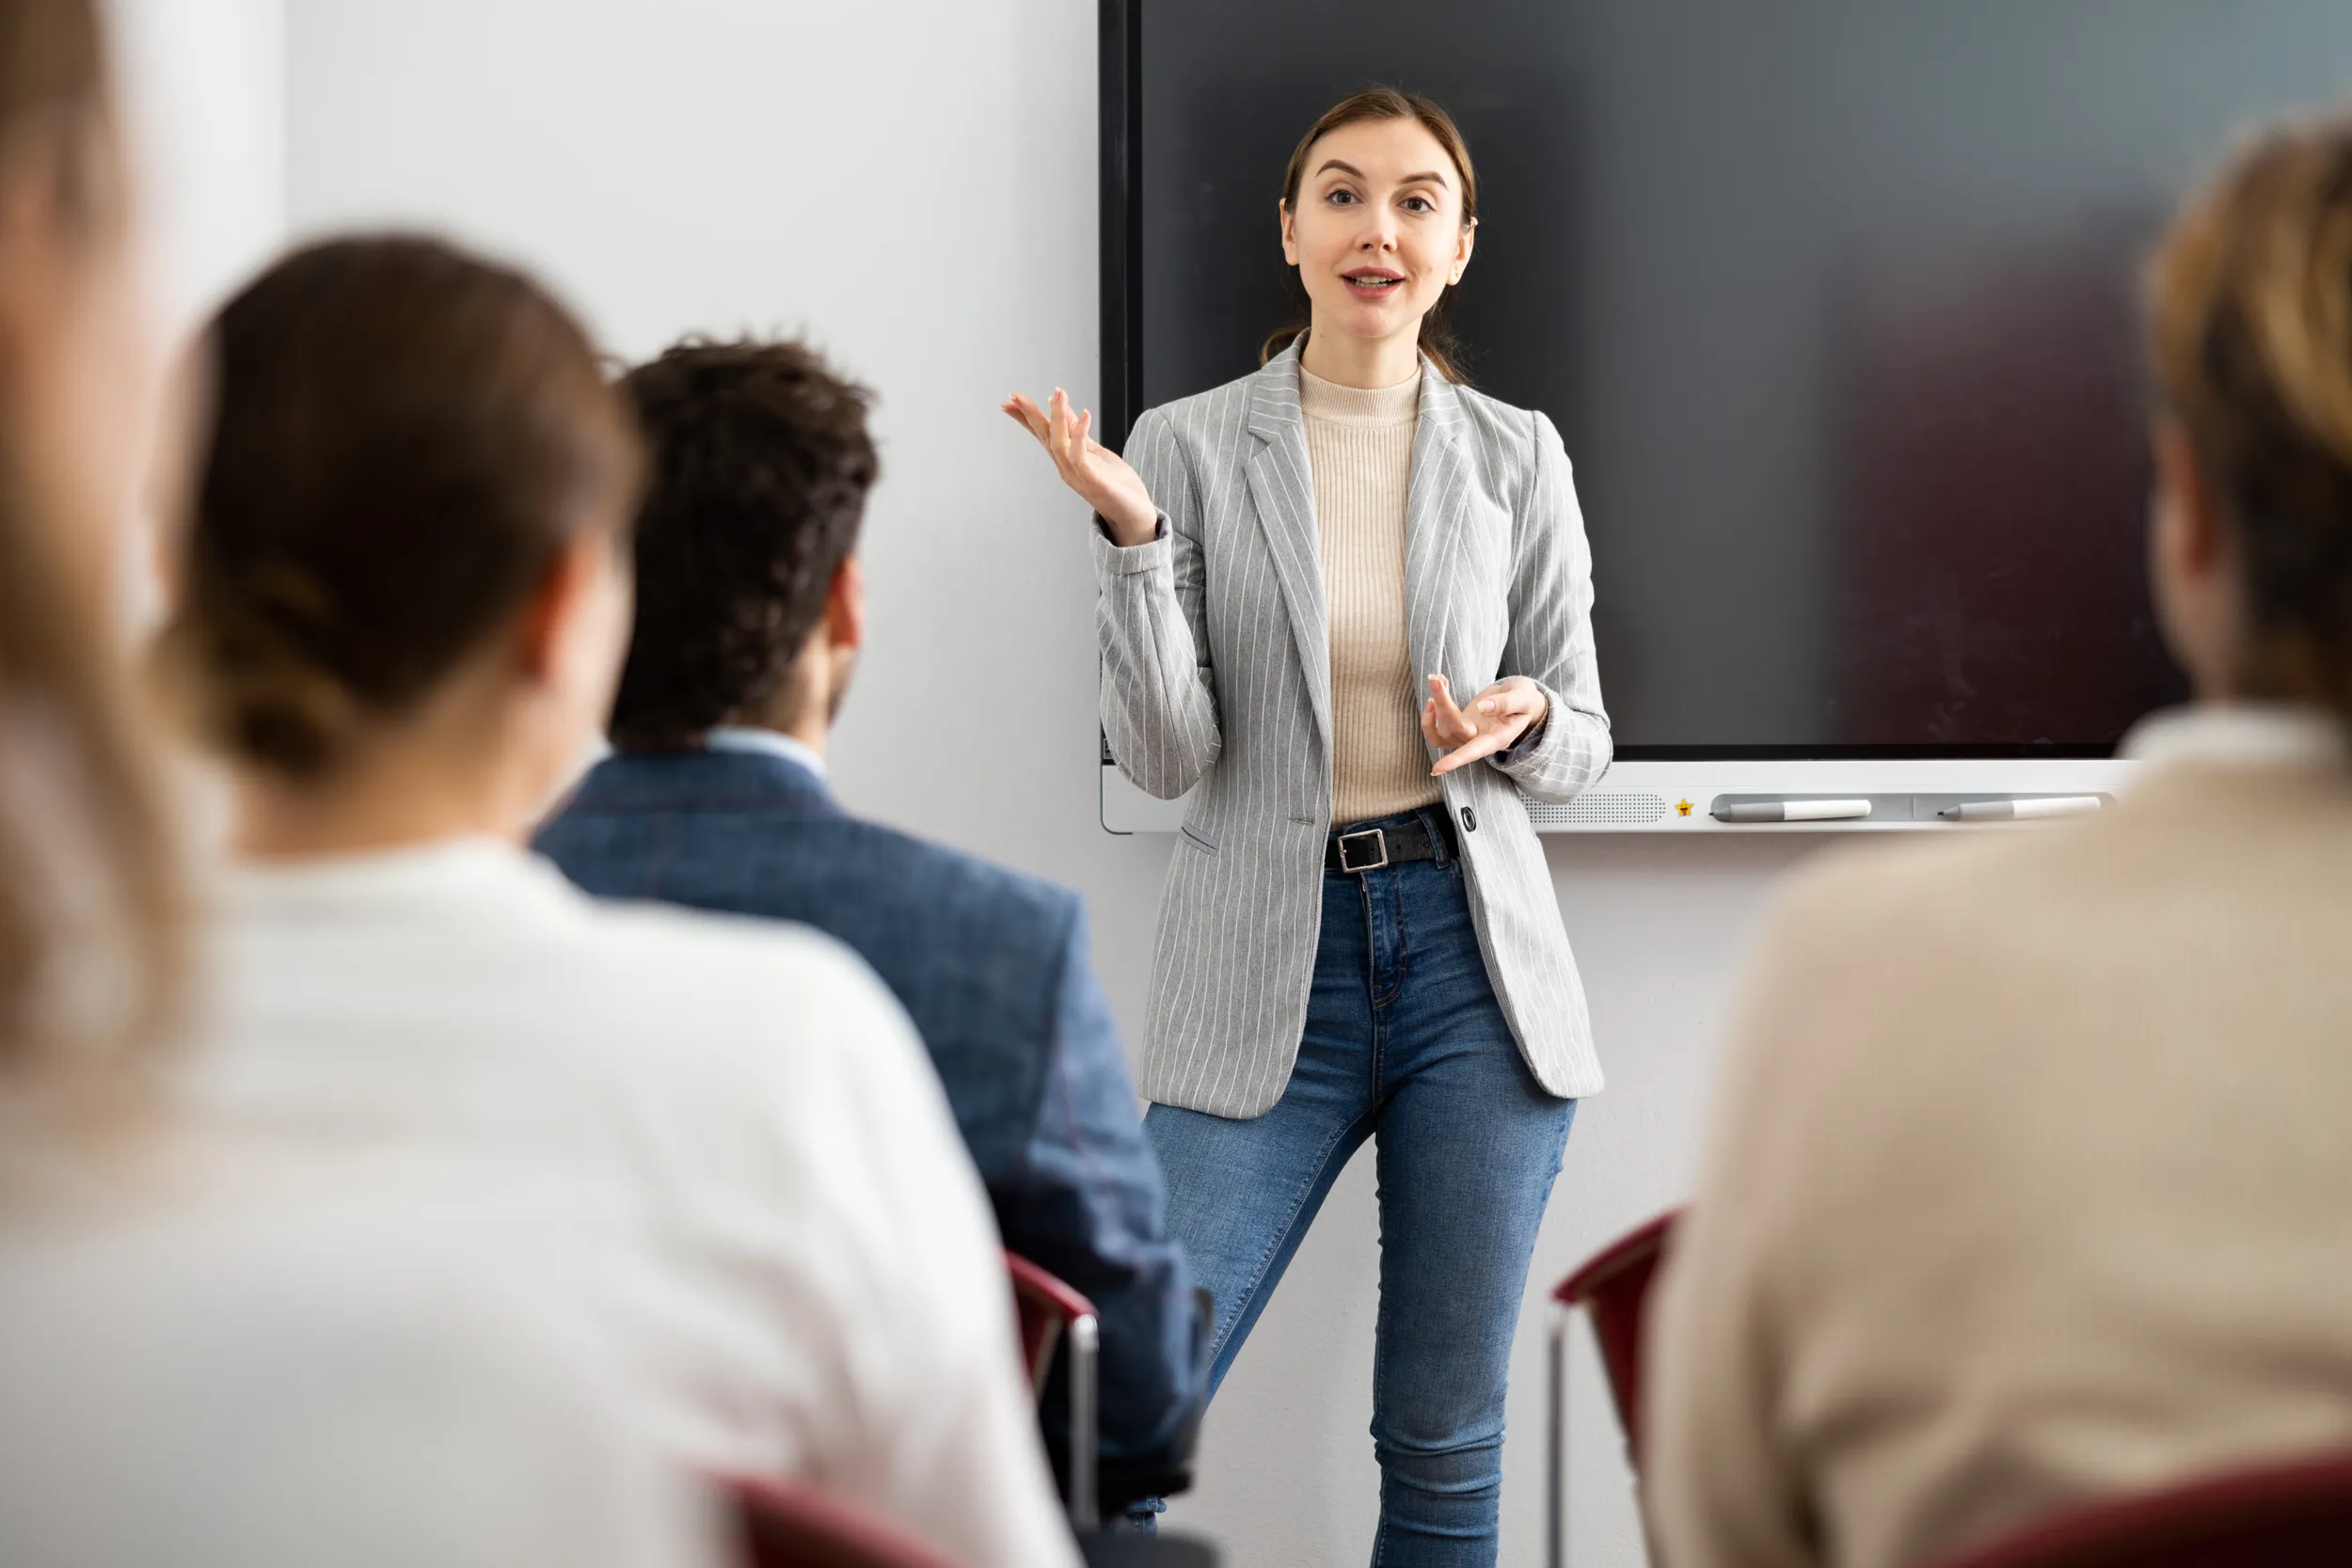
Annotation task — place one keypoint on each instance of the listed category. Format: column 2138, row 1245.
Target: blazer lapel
column 1434, row 511
column 1283, row 487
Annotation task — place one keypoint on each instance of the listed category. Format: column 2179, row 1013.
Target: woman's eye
column 1420, row 204
column 1341, row 198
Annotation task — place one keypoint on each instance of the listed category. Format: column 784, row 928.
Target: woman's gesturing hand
column 1097, row 474
column 1489, row 724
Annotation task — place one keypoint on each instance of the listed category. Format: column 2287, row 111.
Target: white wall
column 204, row 85
column 203, row 90
column 914, row 183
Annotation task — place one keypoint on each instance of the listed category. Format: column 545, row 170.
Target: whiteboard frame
column 1620, row 801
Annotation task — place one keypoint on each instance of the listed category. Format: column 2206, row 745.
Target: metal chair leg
column 1556, row 1445
column 1085, row 1351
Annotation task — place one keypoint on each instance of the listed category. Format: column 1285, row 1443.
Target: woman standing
column 1356, row 942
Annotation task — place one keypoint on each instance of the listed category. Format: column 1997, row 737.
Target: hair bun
column 261, row 694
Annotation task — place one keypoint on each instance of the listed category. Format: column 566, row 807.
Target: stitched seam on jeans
column 1404, row 950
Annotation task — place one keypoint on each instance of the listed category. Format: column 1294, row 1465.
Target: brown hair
column 91, row 902
column 2250, row 323
column 1437, row 339
column 405, row 438
column 761, row 462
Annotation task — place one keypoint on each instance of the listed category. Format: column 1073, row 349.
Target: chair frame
column 1063, row 1311
column 1644, row 1248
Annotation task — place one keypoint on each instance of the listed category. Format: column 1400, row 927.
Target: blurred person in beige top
column 2029, row 1181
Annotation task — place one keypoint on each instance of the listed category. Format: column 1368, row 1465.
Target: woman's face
column 1377, row 232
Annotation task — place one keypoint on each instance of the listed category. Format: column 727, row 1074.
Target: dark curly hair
column 761, row 463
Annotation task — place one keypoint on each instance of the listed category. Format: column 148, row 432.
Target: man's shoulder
column 978, row 886
column 950, row 903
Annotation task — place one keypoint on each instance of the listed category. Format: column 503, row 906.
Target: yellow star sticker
column 1682, row 808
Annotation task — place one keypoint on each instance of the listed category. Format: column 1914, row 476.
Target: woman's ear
column 575, row 628
column 1289, row 234
column 2187, row 520
column 1462, row 249
column 2192, row 571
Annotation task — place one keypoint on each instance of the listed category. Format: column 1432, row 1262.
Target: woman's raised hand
column 1488, row 723
column 1097, row 474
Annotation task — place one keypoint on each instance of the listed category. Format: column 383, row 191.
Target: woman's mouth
column 1372, row 285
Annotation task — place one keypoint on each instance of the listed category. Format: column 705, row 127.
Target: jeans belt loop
column 1379, row 835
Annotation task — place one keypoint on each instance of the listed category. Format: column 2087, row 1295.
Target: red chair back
column 1614, row 1285
column 2292, row 1516
column 1050, row 1310
column 792, row 1525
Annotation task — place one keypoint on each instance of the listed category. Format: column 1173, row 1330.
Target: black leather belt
column 1370, row 849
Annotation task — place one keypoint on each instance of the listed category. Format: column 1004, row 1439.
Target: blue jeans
column 1404, row 1044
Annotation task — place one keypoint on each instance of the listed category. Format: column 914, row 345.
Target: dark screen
column 1834, row 302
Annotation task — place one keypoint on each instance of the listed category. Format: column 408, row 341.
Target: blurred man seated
column 749, row 614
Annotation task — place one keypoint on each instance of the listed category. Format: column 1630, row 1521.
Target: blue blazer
column 993, row 968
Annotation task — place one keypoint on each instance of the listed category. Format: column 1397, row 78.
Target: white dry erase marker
column 1791, row 811
column 2008, row 811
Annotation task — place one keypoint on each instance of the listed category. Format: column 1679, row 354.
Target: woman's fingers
column 1504, row 700
column 1067, row 435
column 1095, row 472
column 1453, row 727
column 1485, row 744
column 1028, row 428
column 1497, row 717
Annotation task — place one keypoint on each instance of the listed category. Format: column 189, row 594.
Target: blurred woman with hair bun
column 405, row 602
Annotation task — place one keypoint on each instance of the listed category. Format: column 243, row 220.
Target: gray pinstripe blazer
column 1217, row 678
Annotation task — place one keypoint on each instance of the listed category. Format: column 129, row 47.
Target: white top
column 724, row 1133
column 305, row 1376
column 775, row 743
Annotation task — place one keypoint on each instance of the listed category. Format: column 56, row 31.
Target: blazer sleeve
column 1551, row 639
column 1159, row 697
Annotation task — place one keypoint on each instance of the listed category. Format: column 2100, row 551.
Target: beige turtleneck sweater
column 1360, row 448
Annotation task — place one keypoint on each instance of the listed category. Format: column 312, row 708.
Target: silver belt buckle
column 1376, row 834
